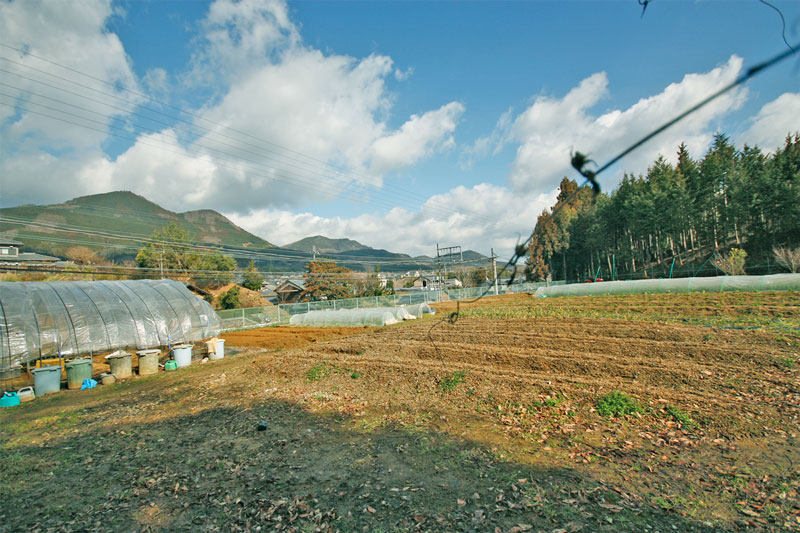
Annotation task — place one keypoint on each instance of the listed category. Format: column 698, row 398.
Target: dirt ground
column 492, row 420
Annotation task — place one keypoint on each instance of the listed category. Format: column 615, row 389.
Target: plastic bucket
column 77, row 371
column 46, row 379
column 121, row 365
column 182, row 354
column 219, row 350
column 170, row 365
column 148, row 361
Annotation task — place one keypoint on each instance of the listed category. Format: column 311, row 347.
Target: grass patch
column 317, row 372
column 680, row 416
column 617, row 404
column 452, row 381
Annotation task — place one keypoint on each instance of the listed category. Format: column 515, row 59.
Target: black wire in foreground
column 580, row 161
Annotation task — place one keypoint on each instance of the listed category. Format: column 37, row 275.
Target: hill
column 325, row 245
column 114, row 225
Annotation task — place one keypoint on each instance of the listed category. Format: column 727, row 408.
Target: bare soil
column 484, row 421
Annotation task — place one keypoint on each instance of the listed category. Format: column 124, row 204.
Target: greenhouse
column 773, row 282
column 68, row 318
column 379, row 316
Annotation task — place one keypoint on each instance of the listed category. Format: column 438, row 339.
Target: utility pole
column 314, row 252
column 447, row 252
column 161, row 261
column 494, row 267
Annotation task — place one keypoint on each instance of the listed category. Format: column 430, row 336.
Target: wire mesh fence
column 273, row 315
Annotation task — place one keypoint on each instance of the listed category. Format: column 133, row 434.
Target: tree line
column 675, row 219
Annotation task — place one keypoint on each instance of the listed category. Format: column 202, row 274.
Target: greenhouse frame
column 70, row 318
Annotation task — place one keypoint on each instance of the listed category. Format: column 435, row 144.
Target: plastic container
column 121, row 364
column 219, row 351
column 170, row 365
column 78, row 370
column 182, row 354
column 26, row 394
column 148, row 361
column 9, row 399
column 46, row 380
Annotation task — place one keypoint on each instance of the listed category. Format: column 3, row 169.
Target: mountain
column 114, row 225
column 324, row 245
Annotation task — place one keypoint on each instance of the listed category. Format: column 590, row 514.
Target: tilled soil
column 467, row 424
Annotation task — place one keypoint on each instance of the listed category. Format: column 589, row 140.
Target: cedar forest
column 674, row 219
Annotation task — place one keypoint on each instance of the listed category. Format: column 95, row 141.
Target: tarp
column 773, row 282
column 41, row 319
column 379, row 316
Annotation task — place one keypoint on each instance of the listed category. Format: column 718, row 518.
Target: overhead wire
column 580, row 162
column 396, row 191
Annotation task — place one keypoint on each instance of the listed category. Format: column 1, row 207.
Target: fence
column 273, row 315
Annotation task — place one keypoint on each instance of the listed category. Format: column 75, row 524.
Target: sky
column 401, row 125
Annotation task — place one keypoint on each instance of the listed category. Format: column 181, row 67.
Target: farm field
column 618, row 413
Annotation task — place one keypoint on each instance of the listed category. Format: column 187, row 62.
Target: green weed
column 617, row 404
column 680, row 416
column 452, row 381
column 317, row 372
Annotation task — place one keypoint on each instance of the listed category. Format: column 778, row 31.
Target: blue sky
column 398, row 124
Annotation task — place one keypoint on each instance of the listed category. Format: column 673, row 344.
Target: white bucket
column 182, row 354
column 219, row 352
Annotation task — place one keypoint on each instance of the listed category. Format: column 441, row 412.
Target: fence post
column 242, row 316
column 279, row 313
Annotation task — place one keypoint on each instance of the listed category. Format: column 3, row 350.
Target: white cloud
column 479, row 217
column 773, row 122
column 491, row 144
column 418, row 137
column 550, row 129
column 288, row 124
column 293, row 126
column 43, row 155
column 243, row 35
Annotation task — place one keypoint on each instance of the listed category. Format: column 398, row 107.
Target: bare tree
column 788, row 258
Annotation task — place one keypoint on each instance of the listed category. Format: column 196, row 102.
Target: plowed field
column 643, row 413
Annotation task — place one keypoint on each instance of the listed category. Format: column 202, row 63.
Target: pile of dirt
column 247, row 298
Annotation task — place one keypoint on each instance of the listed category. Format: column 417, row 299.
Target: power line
column 397, row 191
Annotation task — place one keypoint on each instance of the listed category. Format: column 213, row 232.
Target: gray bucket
column 121, row 364
column 77, row 371
column 148, row 361
column 46, row 379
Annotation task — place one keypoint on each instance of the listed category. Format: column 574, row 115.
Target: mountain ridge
column 116, row 224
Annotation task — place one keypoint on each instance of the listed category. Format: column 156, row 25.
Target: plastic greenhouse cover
column 418, row 310
column 773, row 282
column 43, row 319
column 379, row 316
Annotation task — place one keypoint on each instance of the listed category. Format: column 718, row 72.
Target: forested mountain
column 675, row 217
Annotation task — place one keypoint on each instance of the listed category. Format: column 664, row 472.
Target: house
column 290, row 290
column 11, row 256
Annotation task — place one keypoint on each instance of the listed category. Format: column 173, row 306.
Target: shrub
column 617, row 404
column 230, row 300
column 731, row 264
